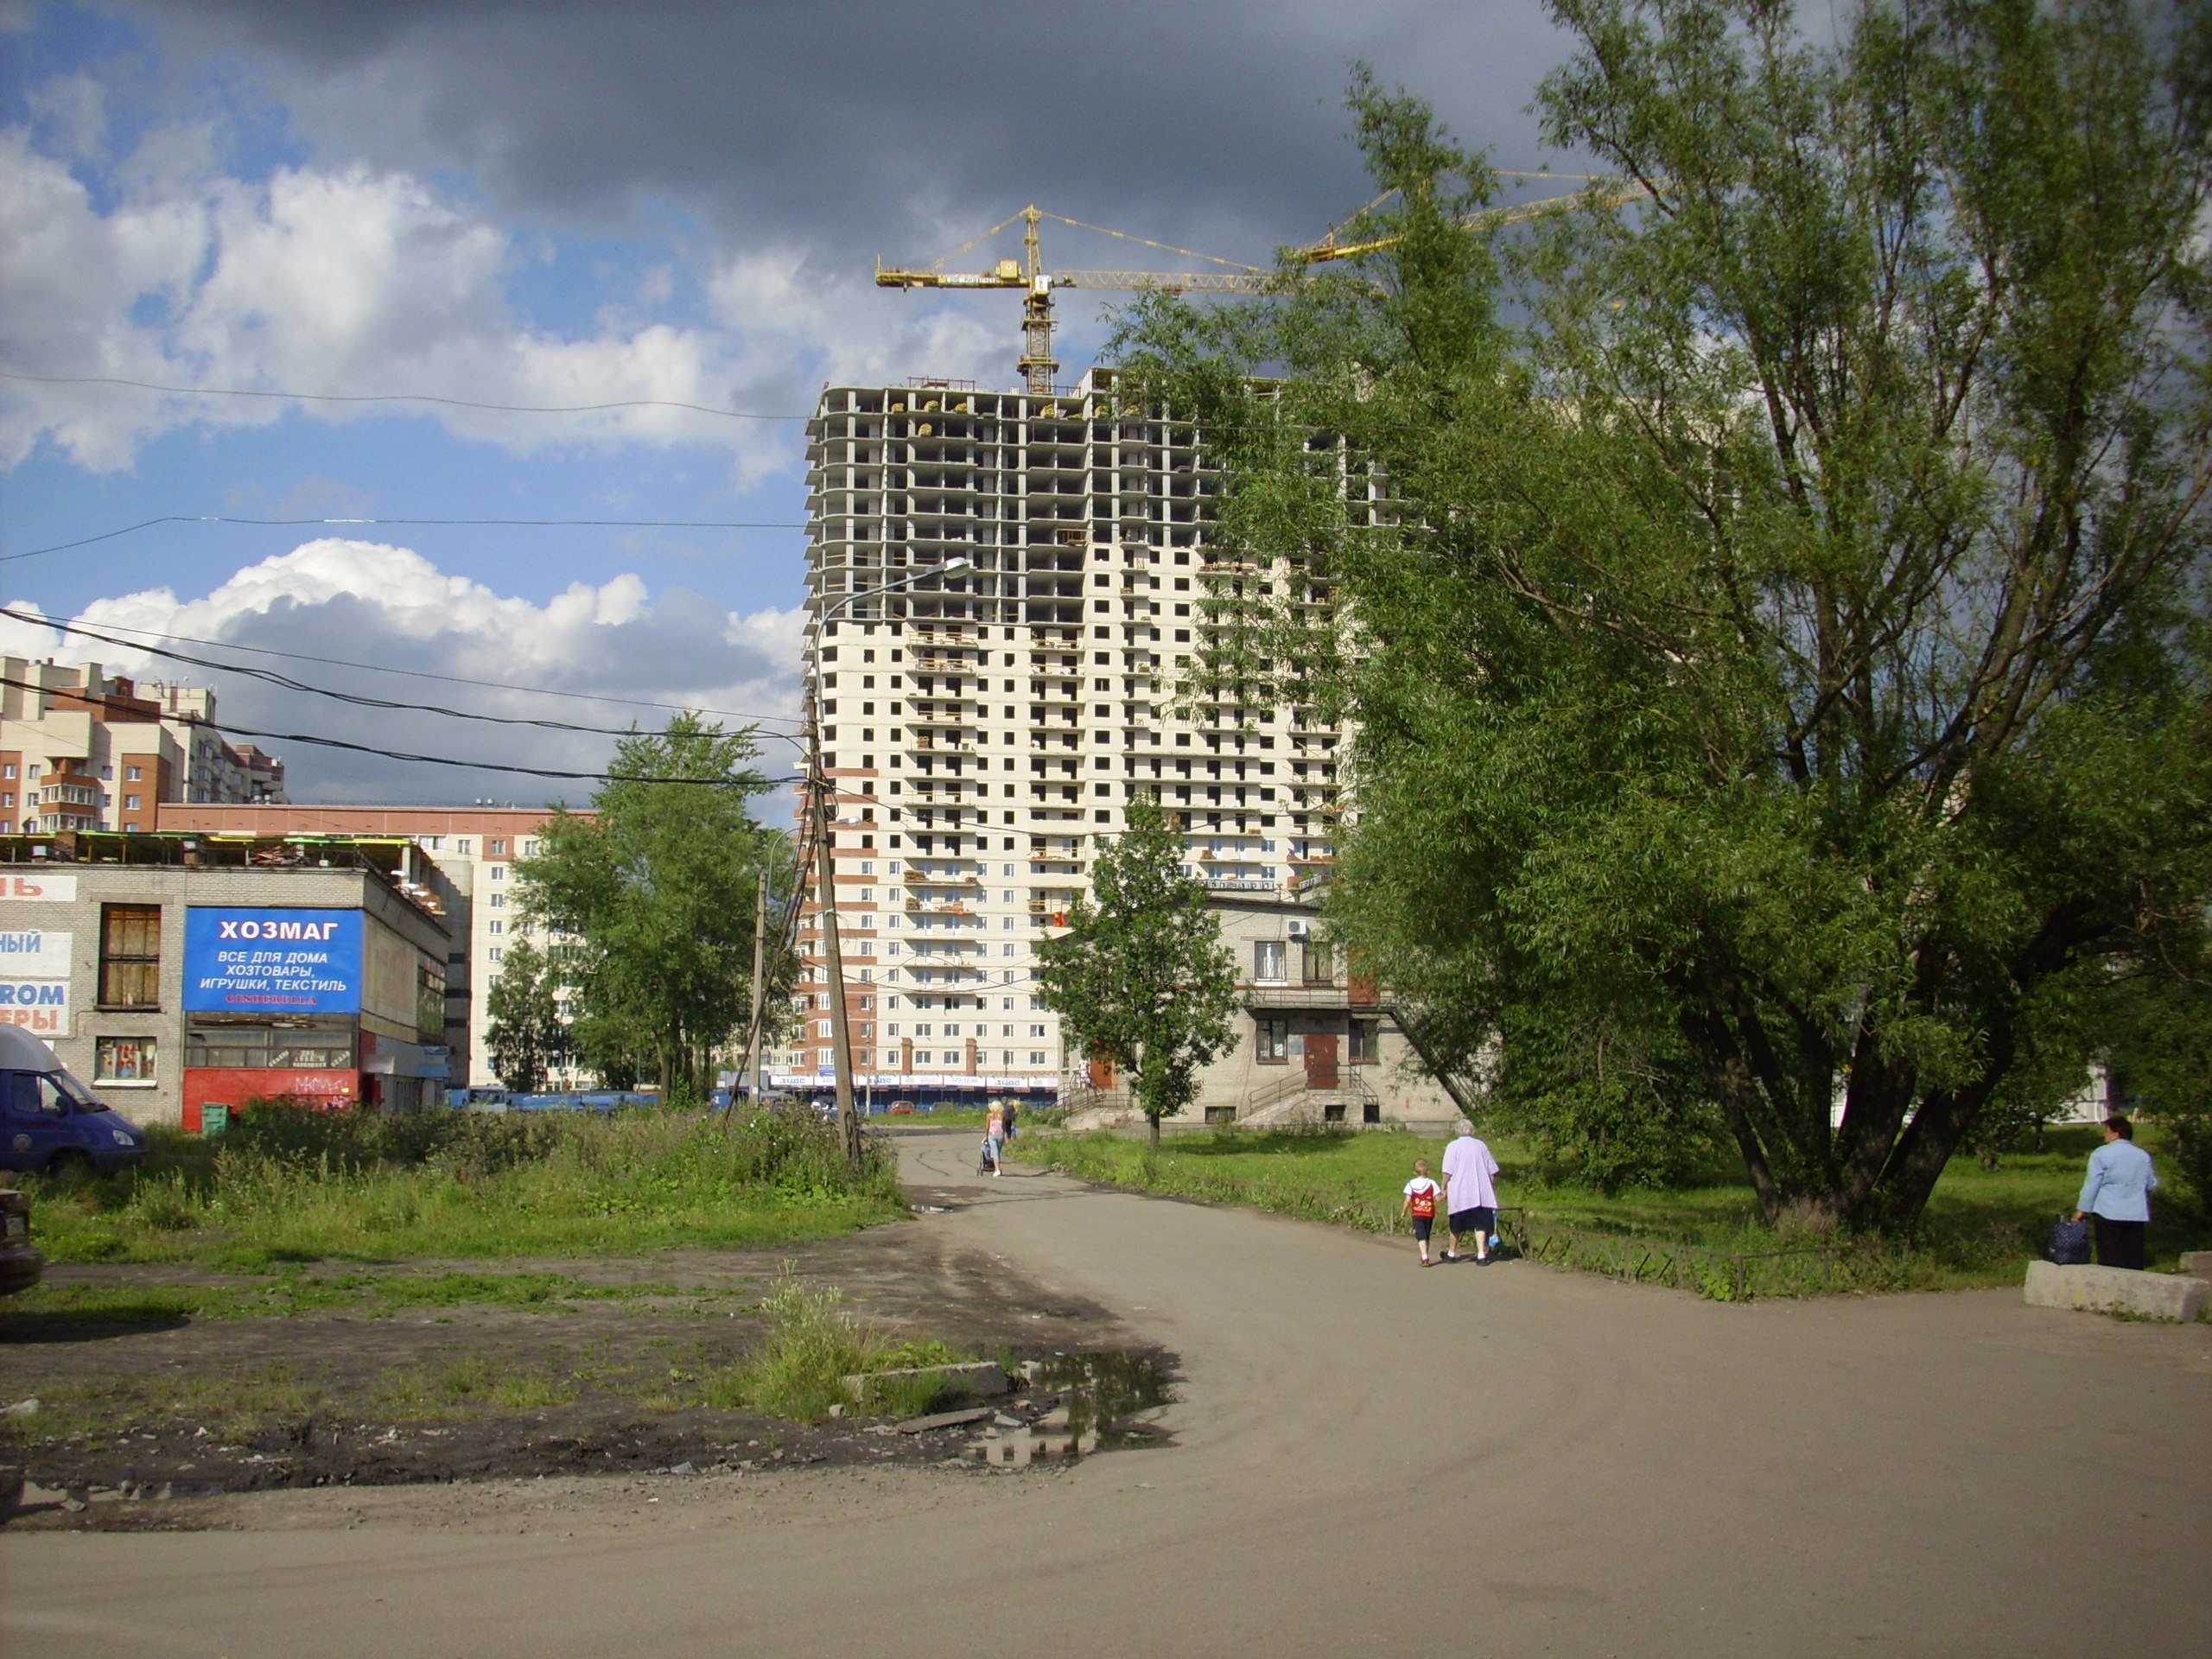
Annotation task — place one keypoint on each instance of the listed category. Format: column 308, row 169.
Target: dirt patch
column 138, row 1410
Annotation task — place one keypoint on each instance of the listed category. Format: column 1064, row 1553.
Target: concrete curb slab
column 2116, row 1290
column 981, row 1380
column 2197, row 1264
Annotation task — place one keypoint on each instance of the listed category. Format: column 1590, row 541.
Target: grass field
column 288, row 1187
column 1981, row 1224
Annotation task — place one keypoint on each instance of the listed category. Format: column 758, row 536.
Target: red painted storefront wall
column 234, row 1086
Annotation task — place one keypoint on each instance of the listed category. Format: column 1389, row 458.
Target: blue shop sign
column 272, row 962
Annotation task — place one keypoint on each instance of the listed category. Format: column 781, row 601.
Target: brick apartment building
column 83, row 749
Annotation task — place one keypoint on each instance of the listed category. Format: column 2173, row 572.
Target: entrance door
column 1320, row 1059
column 1102, row 1072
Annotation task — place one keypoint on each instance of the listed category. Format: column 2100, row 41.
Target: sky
column 411, row 211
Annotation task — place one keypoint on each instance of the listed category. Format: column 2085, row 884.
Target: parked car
column 20, row 1262
column 51, row 1123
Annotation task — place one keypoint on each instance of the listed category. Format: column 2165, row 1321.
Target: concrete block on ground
column 2116, row 1290
column 982, row 1379
column 942, row 1420
column 2197, row 1264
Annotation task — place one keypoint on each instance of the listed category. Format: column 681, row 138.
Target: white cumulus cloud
column 338, row 605
column 349, row 279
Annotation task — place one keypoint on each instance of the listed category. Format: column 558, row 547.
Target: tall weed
column 289, row 1185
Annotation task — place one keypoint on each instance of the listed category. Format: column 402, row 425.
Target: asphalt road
column 1498, row 1461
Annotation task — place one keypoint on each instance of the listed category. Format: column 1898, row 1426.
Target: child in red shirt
column 1421, row 1194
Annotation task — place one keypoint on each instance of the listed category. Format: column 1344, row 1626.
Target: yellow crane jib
column 1028, row 273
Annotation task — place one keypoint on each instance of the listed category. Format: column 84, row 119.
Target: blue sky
column 546, row 205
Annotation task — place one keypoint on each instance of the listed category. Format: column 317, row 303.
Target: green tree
column 1775, row 637
column 524, row 1032
column 1140, row 977
column 651, row 896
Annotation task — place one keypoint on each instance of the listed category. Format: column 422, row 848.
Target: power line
column 289, row 683
column 396, row 398
column 414, row 673
column 753, row 781
column 523, row 523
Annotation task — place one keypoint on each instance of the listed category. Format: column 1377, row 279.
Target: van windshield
column 75, row 1092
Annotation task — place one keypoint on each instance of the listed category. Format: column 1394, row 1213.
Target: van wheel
column 69, row 1166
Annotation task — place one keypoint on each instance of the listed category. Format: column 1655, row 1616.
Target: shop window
column 123, row 1059
column 130, row 955
column 1274, row 1041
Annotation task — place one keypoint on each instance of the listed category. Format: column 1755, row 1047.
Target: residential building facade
column 982, row 729
column 81, row 749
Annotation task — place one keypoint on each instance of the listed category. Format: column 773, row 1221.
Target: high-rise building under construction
column 982, row 729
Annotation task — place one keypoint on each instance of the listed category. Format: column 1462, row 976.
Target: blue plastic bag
column 2069, row 1245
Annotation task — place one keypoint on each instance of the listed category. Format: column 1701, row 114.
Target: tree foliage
column 1140, row 978
column 654, row 892
column 524, row 1032
column 1773, row 611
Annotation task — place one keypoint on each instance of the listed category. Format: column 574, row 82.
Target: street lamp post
column 849, row 1119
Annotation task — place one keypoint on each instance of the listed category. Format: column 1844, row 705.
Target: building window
column 1321, row 962
column 497, row 928
column 498, row 872
column 134, row 775
column 496, row 850
column 462, row 846
column 1035, row 1057
column 1273, row 1037
column 123, row 1059
column 1270, row 959
column 130, row 803
column 130, row 955
column 498, row 901
column 1366, row 1042
column 495, row 953
column 530, row 849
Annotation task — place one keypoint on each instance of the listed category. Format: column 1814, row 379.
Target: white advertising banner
column 53, row 887
column 33, row 952
column 39, row 1005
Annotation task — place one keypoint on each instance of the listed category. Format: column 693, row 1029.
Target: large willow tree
column 1773, row 606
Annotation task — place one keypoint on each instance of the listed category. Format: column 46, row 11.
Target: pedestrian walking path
column 1365, row 1455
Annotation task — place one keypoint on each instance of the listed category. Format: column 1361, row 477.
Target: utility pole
column 849, row 1117
column 750, row 1063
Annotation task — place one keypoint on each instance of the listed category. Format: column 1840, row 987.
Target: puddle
column 1107, row 1394
column 1072, row 1406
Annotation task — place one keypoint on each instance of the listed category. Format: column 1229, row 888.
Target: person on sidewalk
column 1469, row 1198
column 2116, row 1196
column 994, row 1141
column 1421, row 1194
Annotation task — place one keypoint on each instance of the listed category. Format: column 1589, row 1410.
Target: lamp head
column 950, row 565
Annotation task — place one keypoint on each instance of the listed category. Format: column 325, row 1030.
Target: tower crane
column 1029, row 273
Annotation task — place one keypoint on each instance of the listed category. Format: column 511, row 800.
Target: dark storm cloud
column 859, row 128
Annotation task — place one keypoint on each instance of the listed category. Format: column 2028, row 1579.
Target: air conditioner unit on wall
column 1298, row 930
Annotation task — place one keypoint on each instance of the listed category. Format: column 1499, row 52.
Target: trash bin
column 214, row 1118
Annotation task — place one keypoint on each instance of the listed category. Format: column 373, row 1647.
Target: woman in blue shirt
column 2116, row 1196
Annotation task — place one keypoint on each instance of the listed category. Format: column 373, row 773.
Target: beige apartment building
column 475, row 848
column 81, row 749
column 983, row 730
